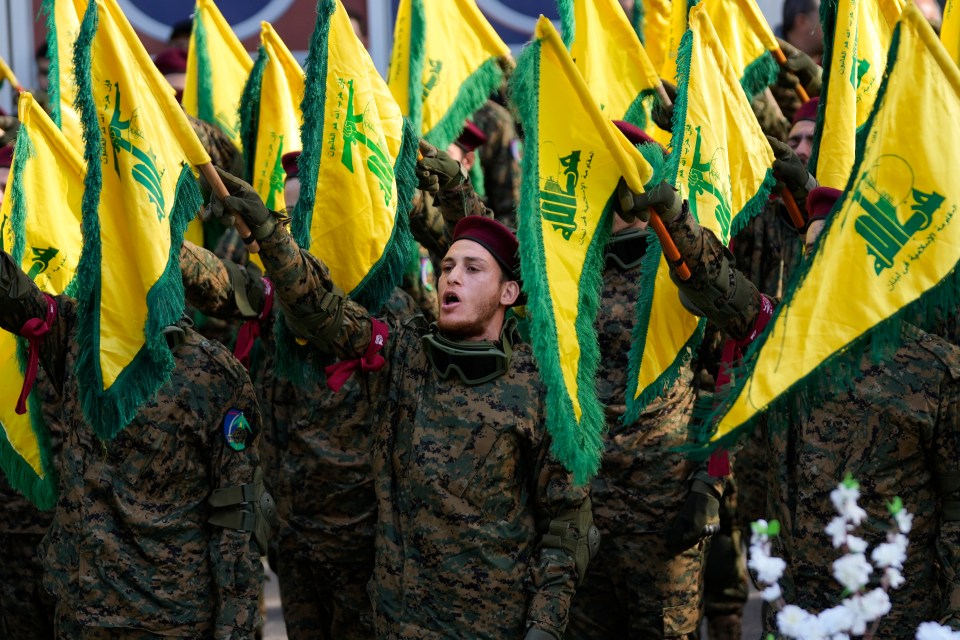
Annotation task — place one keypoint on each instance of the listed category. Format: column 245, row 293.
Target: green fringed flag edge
column 47, row 8
column 637, row 113
column 568, row 23
column 636, row 19
column 302, row 364
column 40, row 490
column 418, row 32
column 578, row 447
column 828, row 22
column 249, row 113
column 205, row 109
column 109, row 411
column 473, row 94
column 759, row 74
column 842, row 368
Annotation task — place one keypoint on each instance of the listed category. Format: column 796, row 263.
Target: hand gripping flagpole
column 220, row 189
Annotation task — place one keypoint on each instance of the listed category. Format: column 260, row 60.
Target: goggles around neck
column 473, row 362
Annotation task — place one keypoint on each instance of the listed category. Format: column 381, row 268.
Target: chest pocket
column 134, row 452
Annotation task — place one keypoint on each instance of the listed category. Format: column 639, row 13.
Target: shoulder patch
column 944, row 351
column 237, row 431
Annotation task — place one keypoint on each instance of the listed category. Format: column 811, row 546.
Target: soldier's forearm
column 218, row 288
column 21, row 299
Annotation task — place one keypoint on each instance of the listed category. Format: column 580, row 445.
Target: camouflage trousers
column 68, row 628
column 26, row 609
column 324, row 590
column 636, row 589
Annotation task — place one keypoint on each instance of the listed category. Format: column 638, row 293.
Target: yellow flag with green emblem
column 356, row 144
column 270, row 116
column 950, row 31
column 747, row 40
column 721, row 162
column 40, row 228
column 609, row 57
column 445, row 64
column 573, row 160
column 856, row 36
column 63, row 25
column 140, row 194
column 217, row 70
column 893, row 237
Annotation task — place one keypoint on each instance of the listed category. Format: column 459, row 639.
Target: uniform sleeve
column 553, row 572
column 316, row 310
column 947, row 470
column 498, row 157
column 433, row 217
column 212, row 289
column 21, row 300
column 235, row 556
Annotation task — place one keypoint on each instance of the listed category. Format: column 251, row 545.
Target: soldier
column 152, row 530
column 499, row 161
column 480, row 531
column 896, row 429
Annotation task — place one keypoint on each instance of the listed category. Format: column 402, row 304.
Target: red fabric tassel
column 719, row 464
column 250, row 330
column 340, row 372
column 34, row 330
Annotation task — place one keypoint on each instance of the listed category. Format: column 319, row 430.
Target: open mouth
column 449, row 300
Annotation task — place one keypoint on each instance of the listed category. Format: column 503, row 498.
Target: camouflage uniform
column 319, row 470
column 635, row 587
column 465, row 483
column 499, row 159
column 896, row 429
column 130, row 551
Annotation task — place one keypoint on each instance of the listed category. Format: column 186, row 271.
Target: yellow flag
column 270, row 116
column 610, row 57
column 358, row 146
column 445, row 64
column 722, row 162
column 747, row 39
column 40, row 221
column 570, row 175
column 893, row 239
column 856, row 38
column 63, row 24
column 217, row 70
column 140, row 195
column 950, row 31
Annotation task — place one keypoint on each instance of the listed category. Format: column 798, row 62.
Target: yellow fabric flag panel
column 895, row 234
column 746, row 38
column 950, row 32
column 63, row 25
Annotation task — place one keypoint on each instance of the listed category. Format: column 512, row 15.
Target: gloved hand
column 437, row 171
column 243, row 201
column 789, row 170
column 807, row 71
column 699, row 518
column 663, row 198
column 663, row 116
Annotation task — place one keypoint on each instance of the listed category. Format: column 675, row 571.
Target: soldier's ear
column 509, row 293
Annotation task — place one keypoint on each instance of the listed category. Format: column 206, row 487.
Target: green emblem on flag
column 354, row 127
column 704, row 179
column 145, row 172
column 41, row 261
column 436, row 66
column 558, row 196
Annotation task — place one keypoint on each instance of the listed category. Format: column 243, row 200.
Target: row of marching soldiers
column 416, row 492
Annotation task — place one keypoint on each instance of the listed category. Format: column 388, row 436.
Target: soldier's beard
column 472, row 328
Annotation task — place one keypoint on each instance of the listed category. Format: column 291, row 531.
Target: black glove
column 699, row 518
column 663, row 116
column 243, row 201
column 802, row 66
column 437, row 171
column 789, row 170
column 663, row 198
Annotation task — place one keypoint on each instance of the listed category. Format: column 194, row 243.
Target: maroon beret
column 495, row 238
column 807, row 111
column 820, row 201
column 634, row 134
column 290, row 164
column 471, row 138
column 173, row 60
column 6, row 156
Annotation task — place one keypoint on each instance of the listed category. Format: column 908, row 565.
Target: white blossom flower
column 835, row 620
column 933, row 631
column 837, row 530
column 844, row 499
column 852, row 571
column 889, row 554
column 768, row 569
column 875, row 604
column 771, row 593
column 904, row 521
column 856, row 545
column 840, row 636
column 894, row 578
column 793, row 621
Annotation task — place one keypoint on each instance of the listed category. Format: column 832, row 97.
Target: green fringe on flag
column 759, row 74
column 568, row 23
column 108, row 412
column 472, row 95
column 250, row 112
column 636, row 18
column 205, row 110
column 53, row 72
column 828, row 21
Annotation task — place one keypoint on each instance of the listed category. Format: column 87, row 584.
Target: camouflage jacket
column 768, row 250
column 500, row 161
column 643, row 480
column 130, row 544
column 318, row 447
column 897, row 431
column 464, row 478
